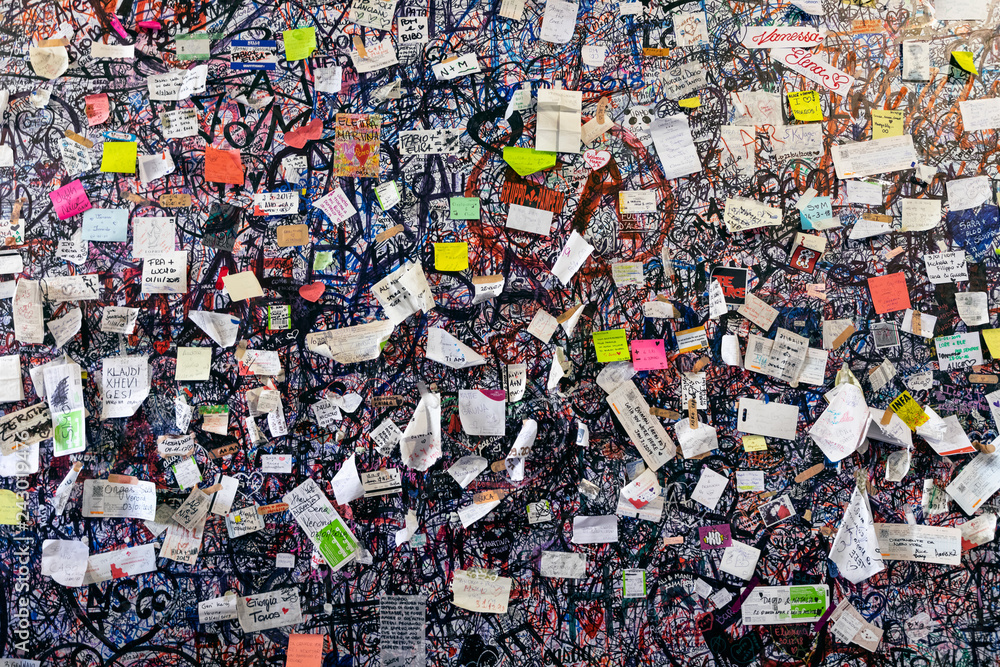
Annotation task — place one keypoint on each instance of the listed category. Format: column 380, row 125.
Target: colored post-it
column 887, row 123
column 805, row 105
column 527, row 161
column 119, row 157
column 69, row 200
column 464, row 208
column 889, row 293
column 611, row 345
column 451, row 256
column 648, row 355
column 223, row 166
column 299, row 43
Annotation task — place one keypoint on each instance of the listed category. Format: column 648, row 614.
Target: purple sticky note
column 715, row 537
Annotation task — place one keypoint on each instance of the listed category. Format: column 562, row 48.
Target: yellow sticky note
column 965, row 61
column 805, row 105
column 887, row 123
column 526, row 161
column 992, row 337
column 10, row 508
column 691, row 102
column 119, row 157
column 451, row 256
column 908, row 410
column 299, row 43
column 611, row 345
column 754, row 443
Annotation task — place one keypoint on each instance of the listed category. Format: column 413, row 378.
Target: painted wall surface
column 283, row 123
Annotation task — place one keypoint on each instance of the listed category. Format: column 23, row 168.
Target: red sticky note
column 117, row 25
column 223, row 166
column 648, row 355
column 97, row 108
column 69, row 200
column 889, row 293
column 304, row 651
column 298, row 137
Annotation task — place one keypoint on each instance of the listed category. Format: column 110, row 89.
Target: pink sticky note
column 98, row 108
column 648, row 355
column 69, row 200
column 117, row 25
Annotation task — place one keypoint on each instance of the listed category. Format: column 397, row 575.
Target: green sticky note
column 965, row 61
column 611, row 345
column 119, row 157
column 323, row 259
column 299, row 43
column 465, row 208
column 336, row 544
column 807, row 601
column 526, row 161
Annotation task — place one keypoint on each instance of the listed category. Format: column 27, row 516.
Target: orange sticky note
column 889, row 293
column 304, row 650
column 223, row 166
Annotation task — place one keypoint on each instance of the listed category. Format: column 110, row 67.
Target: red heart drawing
column 248, row 599
column 596, row 159
column 362, row 152
column 312, row 291
column 284, row 611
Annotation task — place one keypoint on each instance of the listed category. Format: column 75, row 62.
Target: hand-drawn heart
column 248, row 599
column 362, row 152
column 596, row 159
column 312, row 291
column 284, row 611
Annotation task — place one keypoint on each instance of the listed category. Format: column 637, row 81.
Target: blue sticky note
column 818, row 209
column 105, row 224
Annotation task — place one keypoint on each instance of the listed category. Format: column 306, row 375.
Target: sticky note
column 965, row 61
column 119, row 157
column 909, row 410
column 887, row 123
column 889, row 293
column 304, row 650
column 10, row 508
column 299, row 43
column 97, row 108
column 451, row 256
column 69, row 200
column 818, row 208
column 223, row 166
column 754, row 443
column 611, row 345
column 648, row 355
column 464, row 208
column 805, row 105
column 691, row 102
column 526, row 161
column 992, row 337
column 242, row 285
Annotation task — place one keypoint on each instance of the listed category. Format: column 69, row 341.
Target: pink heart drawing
column 596, row 159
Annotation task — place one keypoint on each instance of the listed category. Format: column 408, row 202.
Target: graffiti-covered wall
column 510, row 325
